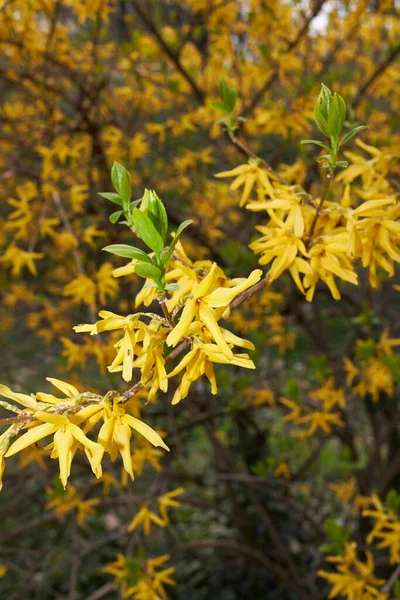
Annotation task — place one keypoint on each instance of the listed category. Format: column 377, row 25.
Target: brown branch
column 377, row 73
column 168, row 51
column 236, row 548
column 246, row 151
column 275, row 74
column 324, row 196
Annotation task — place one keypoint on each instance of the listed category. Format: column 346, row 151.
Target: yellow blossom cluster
column 386, row 530
column 68, row 419
column 322, row 410
column 141, row 579
column 205, row 294
column 370, row 373
column 354, row 579
column 322, row 238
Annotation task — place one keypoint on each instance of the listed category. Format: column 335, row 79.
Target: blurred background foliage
column 87, row 82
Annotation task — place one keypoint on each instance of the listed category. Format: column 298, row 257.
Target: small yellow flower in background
column 3, row 570
column 140, row 579
column 344, row 491
column 249, row 175
column 62, row 502
column 259, row 397
column 282, row 470
column 317, row 414
column 20, row 259
column 386, row 529
column 354, row 579
column 81, row 290
column 146, row 517
column 33, row 454
column 108, row 480
column 90, row 233
column 168, row 500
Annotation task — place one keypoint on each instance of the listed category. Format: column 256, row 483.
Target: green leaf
column 147, row 231
column 342, row 163
column 222, row 106
column 158, row 215
column 148, row 272
column 173, row 287
column 320, row 120
column 336, row 532
column 178, row 233
column 325, row 100
column 115, row 216
column 224, row 90
column 116, row 198
column 122, row 183
column 321, row 109
column 228, row 95
column 127, row 251
column 351, row 134
column 336, row 116
column 316, row 142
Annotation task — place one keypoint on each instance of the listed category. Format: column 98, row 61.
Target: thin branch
column 275, row 74
column 168, row 51
column 324, row 196
column 377, row 73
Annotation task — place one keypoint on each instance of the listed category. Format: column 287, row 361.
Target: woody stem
column 327, row 186
column 165, row 310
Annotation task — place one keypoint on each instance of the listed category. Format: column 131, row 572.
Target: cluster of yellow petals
column 204, row 294
column 322, row 410
column 354, row 579
column 69, row 420
column 369, row 374
column 141, row 580
column 343, row 232
column 386, row 529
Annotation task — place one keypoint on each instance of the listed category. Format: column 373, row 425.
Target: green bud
column 121, row 181
column 158, row 215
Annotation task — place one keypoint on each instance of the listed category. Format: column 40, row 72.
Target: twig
column 172, row 55
column 377, row 73
column 325, row 193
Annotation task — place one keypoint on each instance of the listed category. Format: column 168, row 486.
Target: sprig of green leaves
column 148, row 218
column 227, row 105
column 330, row 117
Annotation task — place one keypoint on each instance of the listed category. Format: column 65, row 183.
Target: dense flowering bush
column 283, row 450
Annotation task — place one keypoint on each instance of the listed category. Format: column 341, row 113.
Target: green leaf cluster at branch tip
column 147, row 217
column 330, row 115
column 227, row 105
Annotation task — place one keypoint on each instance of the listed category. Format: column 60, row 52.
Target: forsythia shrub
column 296, row 462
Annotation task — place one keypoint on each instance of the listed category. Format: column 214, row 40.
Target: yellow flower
column 81, row 289
column 3, row 570
column 284, row 212
column 354, row 579
column 248, row 176
column 167, row 500
column 146, row 517
column 66, row 434
column 282, row 470
column 115, row 435
column 386, row 529
column 200, row 307
column 198, row 362
column 21, row 259
column 281, row 247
